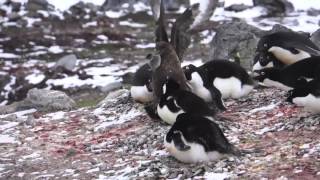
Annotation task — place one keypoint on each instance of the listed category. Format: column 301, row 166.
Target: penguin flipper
column 307, row 47
column 151, row 111
column 216, row 97
column 178, row 142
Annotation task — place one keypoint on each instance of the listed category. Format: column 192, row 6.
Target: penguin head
column 262, row 55
column 170, row 86
column 188, row 70
column 266, row 73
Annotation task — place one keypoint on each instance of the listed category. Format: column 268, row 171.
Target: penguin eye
column 265, row 45
column 263, row 73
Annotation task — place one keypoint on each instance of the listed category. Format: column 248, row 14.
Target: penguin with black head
column 175, row 101
column 141, row 90
column 229, row 78
column 283, row 48
column 293, row 76
column 194, row 138
column 307, row 96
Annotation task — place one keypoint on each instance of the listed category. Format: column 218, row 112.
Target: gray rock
column 49, row 100
column 275, row 7
column 115, row 97
column 313, row 12
column 237, row 7
column 68, row 62
column 111, row 87
column 35, row 5
column 236, row 41
column 315, row 37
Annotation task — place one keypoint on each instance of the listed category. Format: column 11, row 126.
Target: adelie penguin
column 176, row 101
column 229, row 78
column 283, row 48
column 141, row 90
column 293, row 76
column 307, row 96
column 194, row 138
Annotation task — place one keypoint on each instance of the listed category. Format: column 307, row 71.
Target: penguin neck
column 196, row 79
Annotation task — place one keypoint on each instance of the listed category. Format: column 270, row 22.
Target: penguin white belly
column 202, row 92
column 309, row 102
column 197, row 87
column 271, row 83
column 166, row 115
column 230, row 87
column 286, row 56
column 195, row 154
column 257, row 66
column 141, row 93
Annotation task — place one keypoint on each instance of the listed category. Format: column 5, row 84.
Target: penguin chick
column 165, row 66
column 293, row 76
column 175, row 101
column 228, row 77
column 307, row 96
column 141, row 85
column 194, row 138
column 283, row 48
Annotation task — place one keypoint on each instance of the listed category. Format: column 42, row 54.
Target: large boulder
column 49, row 100
column 275, row 7
column 236, row 41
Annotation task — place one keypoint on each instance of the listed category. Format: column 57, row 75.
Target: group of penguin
column 189, row 97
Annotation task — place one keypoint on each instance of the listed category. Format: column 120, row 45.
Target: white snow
column 55, row 49
column 65, row 5
column 305, row 5
column 114, row 14
column 144, row 46
column 90, row 24
column 31, row 156
column 8, row 55
column 265, row 108
column 31, row 21
column 35, row 78
column 228, row 3
column 216, row 176
column 44, row 13
column 132, row 24
column 8, row 125
column 6, row 139
column 196, row 62
column 93, row 170
column 102, row 37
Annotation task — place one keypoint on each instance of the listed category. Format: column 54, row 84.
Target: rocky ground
column 117, row 140
column 112, row 138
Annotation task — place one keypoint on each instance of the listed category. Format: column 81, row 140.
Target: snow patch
column 35, row 78
column 132, row 24
column 144, row 46
column 55, row 49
